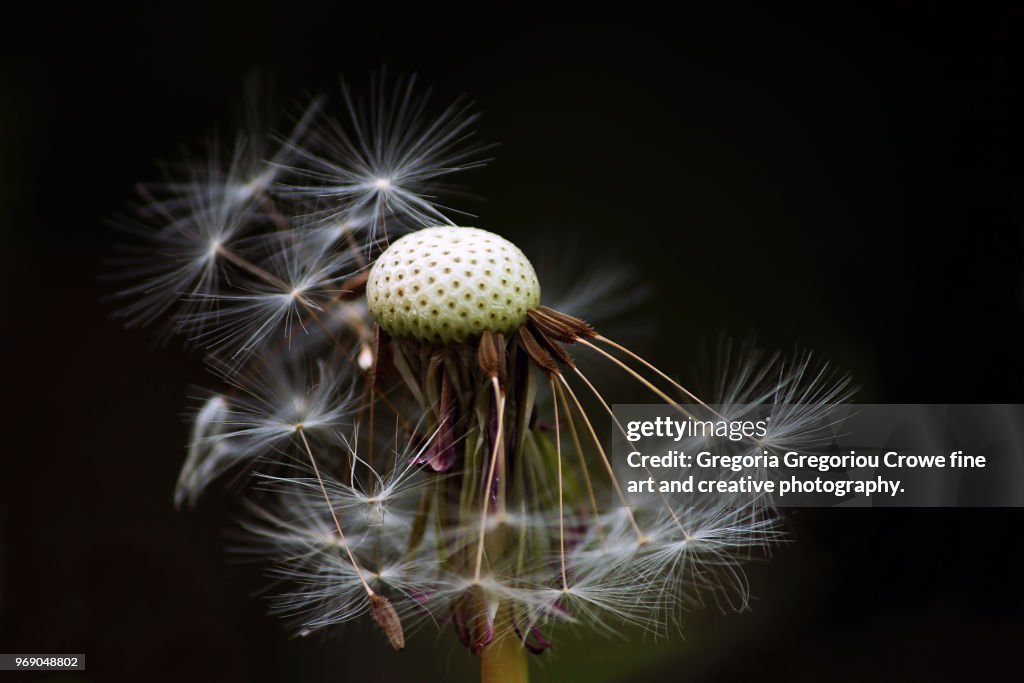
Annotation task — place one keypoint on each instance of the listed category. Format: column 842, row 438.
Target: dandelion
column 426, row 447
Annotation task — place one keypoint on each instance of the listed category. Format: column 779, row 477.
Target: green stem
column 504, row 660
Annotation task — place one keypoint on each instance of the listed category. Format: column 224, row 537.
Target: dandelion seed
column 191, row 226
column 208, row 457
column 391, row 162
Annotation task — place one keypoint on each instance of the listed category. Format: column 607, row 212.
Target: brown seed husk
column 541, row 352
column 387, row 618
column 486, row 356
column 560, row 326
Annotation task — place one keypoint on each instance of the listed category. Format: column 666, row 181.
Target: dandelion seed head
column 419, row 443
column 448, row 284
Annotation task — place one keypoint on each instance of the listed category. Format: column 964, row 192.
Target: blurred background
column 845, row 180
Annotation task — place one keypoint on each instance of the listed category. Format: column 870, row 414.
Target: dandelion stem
column 561, row 507
column 622, row 431
column 643, row 380
column 504, row 660
column 499, row 398
column 248, row 265
column 334, row 515
column 604, row 458
column 583, row 464
column 648, row 365
column 373, row 389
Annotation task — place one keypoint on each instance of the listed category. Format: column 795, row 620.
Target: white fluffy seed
column 448, row 284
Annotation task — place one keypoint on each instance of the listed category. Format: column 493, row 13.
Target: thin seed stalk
column 504, row 660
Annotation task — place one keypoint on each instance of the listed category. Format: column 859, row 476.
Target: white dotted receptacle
column 449, row 284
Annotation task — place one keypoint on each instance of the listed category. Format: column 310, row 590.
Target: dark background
column 848, row 180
